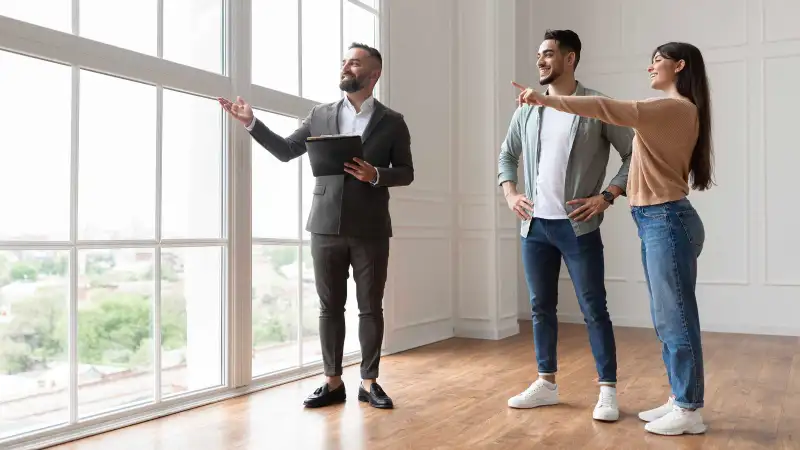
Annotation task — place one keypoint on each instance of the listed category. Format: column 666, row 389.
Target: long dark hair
column 692, row 83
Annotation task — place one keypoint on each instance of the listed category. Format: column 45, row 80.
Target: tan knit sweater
column 666, row 133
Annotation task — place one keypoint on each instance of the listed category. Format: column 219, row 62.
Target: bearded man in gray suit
column 349, row 220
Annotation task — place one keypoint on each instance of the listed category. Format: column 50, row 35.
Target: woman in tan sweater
column 672, row 143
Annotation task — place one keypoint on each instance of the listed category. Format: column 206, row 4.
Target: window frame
column 236, row 240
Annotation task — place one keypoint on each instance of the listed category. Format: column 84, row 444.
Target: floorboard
column 452, row 395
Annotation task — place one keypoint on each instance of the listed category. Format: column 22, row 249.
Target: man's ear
column 571, row 59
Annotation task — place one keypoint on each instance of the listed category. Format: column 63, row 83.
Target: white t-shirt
column 554, row 155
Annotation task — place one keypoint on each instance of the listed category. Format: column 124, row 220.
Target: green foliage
column 282, row 256
column 270, row 331
column 23, row 272
column 99, row 263
column 54, row 267
column 114, row 327
column 113, row 330
column 38, row 333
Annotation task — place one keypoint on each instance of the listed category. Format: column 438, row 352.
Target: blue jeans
column 542, row 249
column 672, row 236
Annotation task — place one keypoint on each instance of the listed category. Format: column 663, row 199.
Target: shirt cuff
column 377, row 177
column 252, row 124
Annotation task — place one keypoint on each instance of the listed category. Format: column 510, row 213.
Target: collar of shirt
column 366, row 107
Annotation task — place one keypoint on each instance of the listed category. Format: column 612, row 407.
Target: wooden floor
column 453, row 395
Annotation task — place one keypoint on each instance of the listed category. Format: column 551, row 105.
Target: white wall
column 419, row 296
column 453, row 264
column 749, row 275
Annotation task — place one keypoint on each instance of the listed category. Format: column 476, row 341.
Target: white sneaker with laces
column 606, row 408
column 677, row 422
column 657, row 413
column 540, row 393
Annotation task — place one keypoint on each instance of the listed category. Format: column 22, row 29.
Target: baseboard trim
column 483, row 328
column 414, row 336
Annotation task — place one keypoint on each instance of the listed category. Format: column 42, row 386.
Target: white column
column 488, row 250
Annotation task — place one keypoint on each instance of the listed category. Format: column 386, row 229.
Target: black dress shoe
column 375, row 397
column 324, row 396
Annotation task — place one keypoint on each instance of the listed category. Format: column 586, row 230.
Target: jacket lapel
column 377, row 115
column 333, row 117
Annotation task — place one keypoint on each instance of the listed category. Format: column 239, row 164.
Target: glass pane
column 115, row 339
column 191, row 167
column 275, row 190
column 193, row 33
column 116, row 185
column 274, row 31
column 55, row 14
column 275, row 288
column 359, row 26
column 191, row 319
column 312, row 351
column 35, row 155
column 322, row 59
column 129, row 24
column 34, row 353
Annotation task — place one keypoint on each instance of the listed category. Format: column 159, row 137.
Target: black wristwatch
column 608, row 196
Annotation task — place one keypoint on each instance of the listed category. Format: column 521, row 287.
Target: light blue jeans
column 672, row 236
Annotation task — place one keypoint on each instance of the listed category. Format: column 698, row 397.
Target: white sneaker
column 607, row 408
column 540, row 393
column 657, row 413
column 677, row 422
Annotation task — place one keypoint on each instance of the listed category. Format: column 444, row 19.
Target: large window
column 129, row 230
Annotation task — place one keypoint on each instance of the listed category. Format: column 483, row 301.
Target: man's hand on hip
column 240, row 110
column 589, row 207
column 521, row 206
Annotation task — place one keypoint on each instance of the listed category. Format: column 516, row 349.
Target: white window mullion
column 383, row 41
column 156, row 306
column 72, row 310
column 76, row 22
column 240, row 174
column 300, row 194
column 160, row 29
column 156, row 313
column 341, row 37
column 225, row 187
column 363, row 6
column 299, row 48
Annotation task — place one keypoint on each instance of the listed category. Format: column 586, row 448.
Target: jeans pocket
column 693, row 226
column 654, row 211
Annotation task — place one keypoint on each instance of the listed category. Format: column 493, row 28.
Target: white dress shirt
column 351, row 123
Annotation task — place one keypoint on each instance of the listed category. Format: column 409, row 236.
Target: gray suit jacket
column 343, row 205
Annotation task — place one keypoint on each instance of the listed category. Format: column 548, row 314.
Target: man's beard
column 550, row 78
column 352, row 84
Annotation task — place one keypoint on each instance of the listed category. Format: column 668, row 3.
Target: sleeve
column 624, row 113
column 622, row 140
column 510, row 150
column 401, row 172
column 285, row 149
